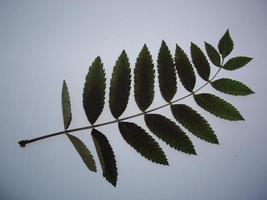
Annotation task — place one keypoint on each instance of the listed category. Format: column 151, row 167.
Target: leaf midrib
column 24, row 142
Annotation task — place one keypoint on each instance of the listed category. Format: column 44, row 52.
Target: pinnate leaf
column 236, row 62
column 142, row 142
column 84, row 152
column 66, row 107
column 106, row 156
column 166, row 71
column 144, row 75
column 169, row 132
column 225, row 44
column 184, row 69
column 200, row 62
column 94, row 91
column 232, row 87
column 120, row 85
column 217, row 106
column 194, row 122
column 213, row 54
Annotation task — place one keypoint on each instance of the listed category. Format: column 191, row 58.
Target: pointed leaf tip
column 84, row 152
column 236, row 62
column 166, row 73
column 231, row 87
column 194, row 122
column 225, row 44
column 66, row 106
column 142, row 142
column 144, row 48
column 144, row 75
column 213, row 54
column 218, row 107
column 120, row 85
column 169, row 132
column 200, row 62
column 106, row 156
column 184, row 69
column 94, row 91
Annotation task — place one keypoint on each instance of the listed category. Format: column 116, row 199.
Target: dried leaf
column 217, row 107
column 84, row 152
column 236, row 62
column 225, row 44
column 66, row 107
column 194, row 122
column 120, row 85
column 144, row 75
column 166, row 71
column 169, row 132
column 94, row 91
column 142, row 142
column 106, row 156
column 200, row 62
column 184, row 69
column 232, row 87
column 213, row 54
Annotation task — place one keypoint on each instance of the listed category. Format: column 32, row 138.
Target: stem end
column 23, row 143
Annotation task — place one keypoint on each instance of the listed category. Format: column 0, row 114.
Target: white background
column 44, row 42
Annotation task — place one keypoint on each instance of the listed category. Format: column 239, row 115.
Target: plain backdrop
column 44, row 42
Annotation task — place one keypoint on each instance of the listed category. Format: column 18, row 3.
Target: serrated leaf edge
column 155, row 142
column 93, row 167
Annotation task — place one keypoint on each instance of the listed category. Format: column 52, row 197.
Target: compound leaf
column 120, row 85
column 144, row 75
column 225, row 44
column 200, row 62
column 184, row 69
column 84, row 152
column 142, row 142
column 66, row 107
column 217, row 106
column 106, row 156
column 232, row 87
column 194, row 122
column 166, row 71
column 94, row 91
column 213, row 54
column 169, row 132
column 236, row 62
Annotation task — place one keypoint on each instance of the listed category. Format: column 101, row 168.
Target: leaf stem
column 23, row 143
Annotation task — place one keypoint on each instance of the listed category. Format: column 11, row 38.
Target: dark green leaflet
column 184, row 69
column 225, row 44
column 200, row 62
column 213, row 54
column 120, row 85
column 232, row 87
column 166, row 71
column 236, row 62
column 84, row 152
column 144, row 75
column 217, row 107
column 106, row 156
column 194, row 122
column 66, row 108
column 94, row 91
column 169, row 132
column 142, row 142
